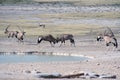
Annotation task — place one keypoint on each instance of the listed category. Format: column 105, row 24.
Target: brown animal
column 64, row 37
column 20, row 35
column 42, row 25
column 48, row 37
column 108, row 37
column 10, row 33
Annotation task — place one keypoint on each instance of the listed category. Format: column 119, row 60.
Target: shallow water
column 37, row 58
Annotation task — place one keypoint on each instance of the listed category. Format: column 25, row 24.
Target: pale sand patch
column 104, row 62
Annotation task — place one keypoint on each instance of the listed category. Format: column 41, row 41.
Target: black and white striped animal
column 63, row 37
column 10, row 33
column 48, row 37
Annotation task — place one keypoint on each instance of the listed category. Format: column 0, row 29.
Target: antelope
column 64, row 37
column 10, row 33
column 99, row 37
column 48, row 37
column 109, row 38
column 42, row 25
column 20, row 35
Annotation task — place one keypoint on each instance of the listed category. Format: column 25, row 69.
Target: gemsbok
column 42, row 25
column 48, row 37
column 10, row 33
column 20, row 35
column 109, row 38
column 62, row 37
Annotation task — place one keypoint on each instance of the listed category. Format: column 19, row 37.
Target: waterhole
column 14, row 58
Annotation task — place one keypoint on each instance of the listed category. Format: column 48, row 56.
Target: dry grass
column 81, row 15
column 85, row 2
column 76, row 29
column 31, row 27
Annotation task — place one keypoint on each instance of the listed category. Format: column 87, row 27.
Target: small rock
column 27, row 71
column 38, row 72
column 86, row 60
column 118, row 67
column 98, row 64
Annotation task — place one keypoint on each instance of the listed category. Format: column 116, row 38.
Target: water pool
column 37, row 58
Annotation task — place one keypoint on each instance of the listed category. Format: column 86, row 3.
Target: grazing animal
column 109, row 38
column 42, row 25
column 64, row 37
column 10, row 33
column 48, row 37
column 99, row 38
column 20, row 35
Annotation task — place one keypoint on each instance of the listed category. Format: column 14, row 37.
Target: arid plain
column 84, row 22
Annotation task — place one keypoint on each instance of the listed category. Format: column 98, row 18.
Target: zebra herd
column 108, row 38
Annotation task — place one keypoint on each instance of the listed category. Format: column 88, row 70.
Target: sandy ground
column 103, row 61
